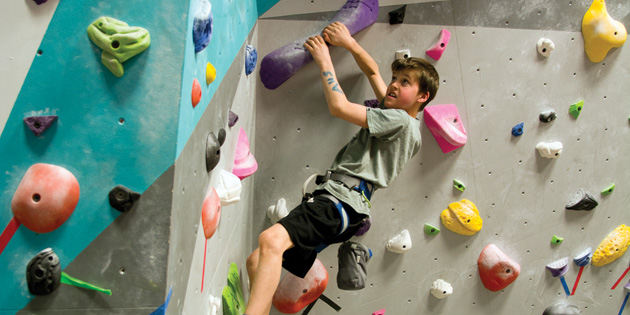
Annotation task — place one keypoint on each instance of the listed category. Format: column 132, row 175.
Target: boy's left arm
column 338, row 103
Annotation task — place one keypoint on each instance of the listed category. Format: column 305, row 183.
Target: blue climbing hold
column 518, row 130
column 202, row 26
column 251, row 57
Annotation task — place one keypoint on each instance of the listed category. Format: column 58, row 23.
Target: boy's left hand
column 318, row 49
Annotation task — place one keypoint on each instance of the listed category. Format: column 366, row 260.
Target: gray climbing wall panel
column 493, row 73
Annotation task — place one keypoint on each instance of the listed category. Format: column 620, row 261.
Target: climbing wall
column 492, row 72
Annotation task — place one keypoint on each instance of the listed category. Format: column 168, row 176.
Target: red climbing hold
column 294, row 293
column 45, row 198
column 196, row 92
column 211, row 213
column 496, row 269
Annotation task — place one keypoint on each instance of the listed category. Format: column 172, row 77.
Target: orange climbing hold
column 45, row 198
column 211, row 213
column 196, row 92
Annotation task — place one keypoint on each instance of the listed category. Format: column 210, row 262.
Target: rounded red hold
column 211, row 213
column 196, row 92
column 496, row 269
column 45, row 198
column 294, row 293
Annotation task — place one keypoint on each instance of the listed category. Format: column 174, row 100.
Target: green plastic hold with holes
column 555, row 240
column 459, row 185
column 608, row 190
column 576, row 108
column 430, row 229
column 119, row 42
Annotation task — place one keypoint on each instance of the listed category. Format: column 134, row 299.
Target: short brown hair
column 428, row 77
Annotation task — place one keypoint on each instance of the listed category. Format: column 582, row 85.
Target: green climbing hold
column 119, row 42
column 233, row 300
column 430, row 229
column 608, row 190
column 459, row 185
column 555, row 240
column 576, row 108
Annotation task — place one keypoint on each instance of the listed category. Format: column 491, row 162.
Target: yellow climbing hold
column 601, row 32
column 612, row 247
column 462, row 218
column 211, row 73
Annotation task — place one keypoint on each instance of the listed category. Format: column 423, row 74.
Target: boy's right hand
column 338, row 34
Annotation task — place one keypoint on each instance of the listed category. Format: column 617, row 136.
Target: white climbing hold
column 403, row 54
column 215, row 305
column 400, row 243
column 441, row 289
column 550, row 150
column 277, row 212
column 545, row 46
column 229, row 188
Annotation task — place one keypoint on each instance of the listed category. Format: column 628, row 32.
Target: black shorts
column 309, row 225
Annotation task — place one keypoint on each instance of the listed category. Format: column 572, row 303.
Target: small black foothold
column 43, row 273
column 122, row 198
column 582, row 201
column 397, row 16
column 547, row 116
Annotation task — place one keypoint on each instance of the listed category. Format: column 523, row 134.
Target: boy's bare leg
column 264, row 274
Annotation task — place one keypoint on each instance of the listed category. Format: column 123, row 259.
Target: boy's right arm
column 337, row 34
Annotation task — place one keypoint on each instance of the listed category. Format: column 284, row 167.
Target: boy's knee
column 272, row 241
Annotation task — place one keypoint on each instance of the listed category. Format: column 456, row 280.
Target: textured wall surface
column 491, row 70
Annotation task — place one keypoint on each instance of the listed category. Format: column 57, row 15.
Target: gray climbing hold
column 547, row 116
column 562, row 308
column 43, row 273
column 397, row 16
column 213, row 149
column 582, row 201
column 39, row 124
column 122, row 198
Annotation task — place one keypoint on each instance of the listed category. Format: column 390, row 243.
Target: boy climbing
column 388, row 138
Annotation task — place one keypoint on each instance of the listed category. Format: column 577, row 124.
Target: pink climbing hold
column 211, row 213
column 45, row 198
column 244, row 162
column 444, row 123
column 294, row 293
column 196, row 92
column 436, row 51
column 381, row 312
column 496, row 269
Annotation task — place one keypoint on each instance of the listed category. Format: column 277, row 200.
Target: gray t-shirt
column 376, row 154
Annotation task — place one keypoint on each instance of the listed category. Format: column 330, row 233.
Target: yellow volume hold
column 601, row 32
column 612, row 247
column 462, row 218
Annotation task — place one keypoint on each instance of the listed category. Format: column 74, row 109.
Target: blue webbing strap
column 344, row 219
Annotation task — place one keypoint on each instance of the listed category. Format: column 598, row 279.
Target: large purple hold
column 279, row 65
column 39, row 124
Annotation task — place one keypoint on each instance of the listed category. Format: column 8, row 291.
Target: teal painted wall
column 233, row 21
column 68, row 80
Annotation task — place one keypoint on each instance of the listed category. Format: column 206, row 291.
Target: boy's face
column 403, row 91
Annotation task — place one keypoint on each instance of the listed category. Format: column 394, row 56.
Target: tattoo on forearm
column 332, row 81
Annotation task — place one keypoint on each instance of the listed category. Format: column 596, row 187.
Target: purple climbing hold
column 373, row 103
column 251, row 56
column 364, row 227
column 233, row 119
column 279, row 65
column 40, row 1
column 202, row 26
column 39, row 124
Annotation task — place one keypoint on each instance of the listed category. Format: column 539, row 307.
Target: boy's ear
column 422, row 97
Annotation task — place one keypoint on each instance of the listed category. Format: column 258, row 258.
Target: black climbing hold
column 232, row 119
column 122, row 198
column 373, row 103
column 547, row 116
column 397, row 16
column 582, row 201
column 39, row 124
column 213, row 149
column 43, row 273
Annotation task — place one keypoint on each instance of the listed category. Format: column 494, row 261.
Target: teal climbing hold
column 576, row 108
column 430, row 229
